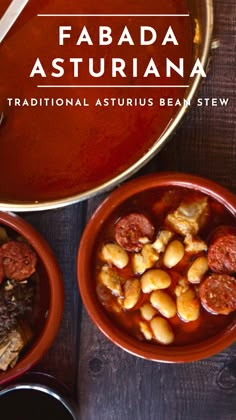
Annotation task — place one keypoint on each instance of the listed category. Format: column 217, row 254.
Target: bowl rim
column 170, row 354
column 56, row 303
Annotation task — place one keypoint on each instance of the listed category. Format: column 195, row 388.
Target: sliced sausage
column 133, row 231
column 18, row 260
column 218, row 294
column 222, row 250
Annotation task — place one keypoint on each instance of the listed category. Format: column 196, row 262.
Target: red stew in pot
column 48, row 151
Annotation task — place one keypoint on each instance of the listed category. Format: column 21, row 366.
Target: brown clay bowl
column 207, row 346
column 49, row 307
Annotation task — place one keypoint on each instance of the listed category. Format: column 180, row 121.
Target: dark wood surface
column 108, row 383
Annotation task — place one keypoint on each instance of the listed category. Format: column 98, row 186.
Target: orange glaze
column 54, row 152
column 207, row 325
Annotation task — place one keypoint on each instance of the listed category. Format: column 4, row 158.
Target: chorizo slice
column 133, row 231
column 222, row 250
column 18, row 260
column 218, row 294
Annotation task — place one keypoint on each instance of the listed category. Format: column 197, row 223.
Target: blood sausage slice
column 222, row 250
column 133, row 231
column 18, row 260
column 218, row 294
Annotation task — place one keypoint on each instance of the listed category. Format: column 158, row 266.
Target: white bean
column 162, row 240
column 188, row 306
column 150, row 255
column 114, row 254
column 173, row 254
column 147, row 311
column 163, row 303
column 132, row 291
column 155, row 279
column 182, row 286
column 145, row 259
column 144, row 328
column 162, row 330
column 197, row 270
column 111, row 280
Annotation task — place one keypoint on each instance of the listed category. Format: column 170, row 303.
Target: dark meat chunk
column 133, row 231
column 16, row 302
column 18, row 260
column 218, row 294
column 222, row 250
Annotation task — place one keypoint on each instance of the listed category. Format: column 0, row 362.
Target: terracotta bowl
column 203, row 348
column 49, row 307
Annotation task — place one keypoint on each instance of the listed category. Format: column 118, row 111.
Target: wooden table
column 108, row 383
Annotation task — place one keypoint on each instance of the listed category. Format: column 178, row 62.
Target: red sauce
column 156, row 204
column 53, row 152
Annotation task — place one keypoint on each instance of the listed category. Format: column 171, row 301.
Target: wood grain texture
column 108, row 383
column 205, row 144
column 62, row 229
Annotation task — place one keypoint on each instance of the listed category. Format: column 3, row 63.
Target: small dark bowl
column 49, row 308
column 86, row 282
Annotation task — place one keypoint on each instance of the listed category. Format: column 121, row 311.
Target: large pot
column 202, row 16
